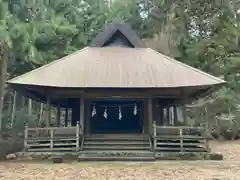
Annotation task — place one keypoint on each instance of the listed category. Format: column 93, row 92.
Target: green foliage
column 201, row 33
column 205, row 35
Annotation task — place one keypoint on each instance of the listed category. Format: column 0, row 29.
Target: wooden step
column 144, row 143
column 178, row 149
column 48, row 144
column 115, row 148
column 178, row 144
column 186, row 137
column 116, row 138
column 51, row 149
column 116, row 135
column 48, row 139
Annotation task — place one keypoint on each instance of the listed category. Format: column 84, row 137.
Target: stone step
column 116, row 153
column 119, row 147
column 94, row 158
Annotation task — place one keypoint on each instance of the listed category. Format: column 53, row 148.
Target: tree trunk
column 3, row 70
column 10, row 101
column 13, row 108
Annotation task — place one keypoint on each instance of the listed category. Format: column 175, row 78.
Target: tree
column 5, row 45
column 201, row 33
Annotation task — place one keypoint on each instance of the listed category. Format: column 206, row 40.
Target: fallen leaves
column 229, row 169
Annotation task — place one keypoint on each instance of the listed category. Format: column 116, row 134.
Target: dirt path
column 229, row 169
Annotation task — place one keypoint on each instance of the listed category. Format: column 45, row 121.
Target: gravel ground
column 229, row 169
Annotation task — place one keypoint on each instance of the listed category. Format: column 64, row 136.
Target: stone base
column 46, row 155
column 187, row 156
column 116, row 156
column 58, row 157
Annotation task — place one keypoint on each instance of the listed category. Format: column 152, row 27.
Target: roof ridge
column 188, row 66
column 46, row 65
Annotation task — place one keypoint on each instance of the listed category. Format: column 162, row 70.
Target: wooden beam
column 87, row 119
column 175, row 115
column 82, row 112
column 29, row 107
column 66, row 117
column 116, row 93
column 49, row 120
column 184, row 100
column 150, row 114
column 168, row 116
column 41, row 114
column 58, row 115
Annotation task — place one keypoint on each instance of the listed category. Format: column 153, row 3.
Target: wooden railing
column 180, row 138
column 53, row 138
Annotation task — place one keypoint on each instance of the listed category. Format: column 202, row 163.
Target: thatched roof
column 116, row 67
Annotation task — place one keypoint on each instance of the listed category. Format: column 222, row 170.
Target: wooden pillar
column 41, row 114
column 49, row 120
column 75, row 111
column 161, row 116
column 155, row 111
column 150, row 114
column 66, row 117
column 72, row 116
column 82, row 113
column 168, row 116
column 58, row 115
column 184, row 114
column 184, row 107
column 175, row 115
column 29, row 107
column 145, row 114
column 87, row 120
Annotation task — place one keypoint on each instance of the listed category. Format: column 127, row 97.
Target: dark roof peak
column 112, row 30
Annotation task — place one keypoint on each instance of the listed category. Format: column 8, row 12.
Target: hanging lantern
column 94, row 111
column 135, row 110
column 105, row 113
column 119, row 113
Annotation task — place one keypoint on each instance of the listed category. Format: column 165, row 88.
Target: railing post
column 51, row 138
column 181, row 139
column 207, row 144
column 77, row 135
column 154, row 137
column 25, row 137
column 206, row 134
